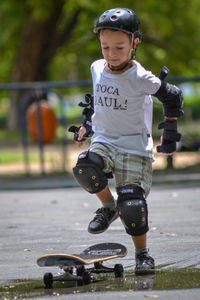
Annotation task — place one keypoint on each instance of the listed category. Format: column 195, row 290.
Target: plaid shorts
column 127, row 168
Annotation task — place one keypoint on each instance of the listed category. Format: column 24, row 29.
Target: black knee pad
column 88, row 172
column 132, row 209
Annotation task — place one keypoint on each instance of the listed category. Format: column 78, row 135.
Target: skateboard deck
column 91, row 255
column 95, row 254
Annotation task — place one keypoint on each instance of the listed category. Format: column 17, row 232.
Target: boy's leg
column 104, row 215
column 92, row 169
column 133, row 211
column 105, row 196
column 133, row 178
column 107, row 213
column 144, row 262
column 140, row 241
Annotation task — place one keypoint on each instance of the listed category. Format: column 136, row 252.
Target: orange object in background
column 49, row 122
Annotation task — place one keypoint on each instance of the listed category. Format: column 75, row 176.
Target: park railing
column 33, row 89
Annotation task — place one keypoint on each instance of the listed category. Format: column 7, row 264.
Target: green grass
column 10, row 157
column 7, row 136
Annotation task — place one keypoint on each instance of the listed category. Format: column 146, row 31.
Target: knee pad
column 88, row 172
column 132, row 209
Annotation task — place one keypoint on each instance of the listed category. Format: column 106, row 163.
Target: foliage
column 166, row 29
column 171, row 35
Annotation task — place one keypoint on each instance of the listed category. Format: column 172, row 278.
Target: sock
column 139, row 251
column 110, row 204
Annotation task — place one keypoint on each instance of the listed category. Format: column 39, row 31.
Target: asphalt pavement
column 36, row 221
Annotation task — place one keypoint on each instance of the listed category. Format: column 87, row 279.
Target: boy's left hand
column 169, row 137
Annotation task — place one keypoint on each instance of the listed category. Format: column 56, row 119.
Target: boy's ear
column 136, row 42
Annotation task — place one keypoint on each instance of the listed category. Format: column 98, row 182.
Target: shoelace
column 101, row 213
column 145, row 258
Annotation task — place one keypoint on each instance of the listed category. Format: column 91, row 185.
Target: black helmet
column 122, row 19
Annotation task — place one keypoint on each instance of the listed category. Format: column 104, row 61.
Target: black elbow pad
column 172, row 98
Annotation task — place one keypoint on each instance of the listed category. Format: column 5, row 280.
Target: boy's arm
column 87, row 113
column 85, row 129
column 172, row 100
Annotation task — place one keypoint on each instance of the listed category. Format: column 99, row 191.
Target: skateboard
column 74, row 265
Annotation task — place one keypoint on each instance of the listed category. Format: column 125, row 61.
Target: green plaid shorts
column 127, row 168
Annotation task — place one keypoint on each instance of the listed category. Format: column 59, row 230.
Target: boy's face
column 116, row 47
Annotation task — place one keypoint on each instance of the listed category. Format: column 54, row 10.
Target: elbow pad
column 172, row 98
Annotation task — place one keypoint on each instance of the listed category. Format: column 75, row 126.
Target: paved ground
column 34, row 222
column 63, row 180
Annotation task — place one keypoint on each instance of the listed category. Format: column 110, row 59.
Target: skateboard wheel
column 80, row 270
column 87, row 278
column 118, row 270
column 48, row 280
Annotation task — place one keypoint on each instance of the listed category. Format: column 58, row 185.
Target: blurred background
column 46, row 48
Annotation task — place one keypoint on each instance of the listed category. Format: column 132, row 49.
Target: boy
column 120, row 118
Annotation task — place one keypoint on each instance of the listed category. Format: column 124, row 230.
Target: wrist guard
column 87, row 113
column 75, row 130
column 172, row 98
column 170, row 136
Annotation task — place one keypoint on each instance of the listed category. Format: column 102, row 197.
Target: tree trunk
column 38, row 45
column 26, row 64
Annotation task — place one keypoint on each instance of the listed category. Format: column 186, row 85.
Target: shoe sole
column 145, row 272
column 101, row 231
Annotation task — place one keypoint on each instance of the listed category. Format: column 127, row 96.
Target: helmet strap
column 133, row 53
column 118, row 69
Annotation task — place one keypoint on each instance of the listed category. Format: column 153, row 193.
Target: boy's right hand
column 79, row 134
column 80, row 138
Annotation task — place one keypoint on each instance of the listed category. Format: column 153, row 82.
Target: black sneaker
column 144, row 264
column 104, row 217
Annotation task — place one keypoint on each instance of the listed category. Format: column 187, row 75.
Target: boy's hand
column 80, row 138
column 79, row 134
column 170, row 136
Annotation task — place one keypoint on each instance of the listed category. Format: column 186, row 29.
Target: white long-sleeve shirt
column 123, row 108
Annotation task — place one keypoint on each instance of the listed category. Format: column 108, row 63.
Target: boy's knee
column 132, row 209
column 88, row 172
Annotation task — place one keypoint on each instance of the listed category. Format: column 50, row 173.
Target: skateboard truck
column 83, row 276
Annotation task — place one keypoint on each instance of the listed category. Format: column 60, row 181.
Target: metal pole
column 40, row 136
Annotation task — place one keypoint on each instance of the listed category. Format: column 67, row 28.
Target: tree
column 40, row 39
